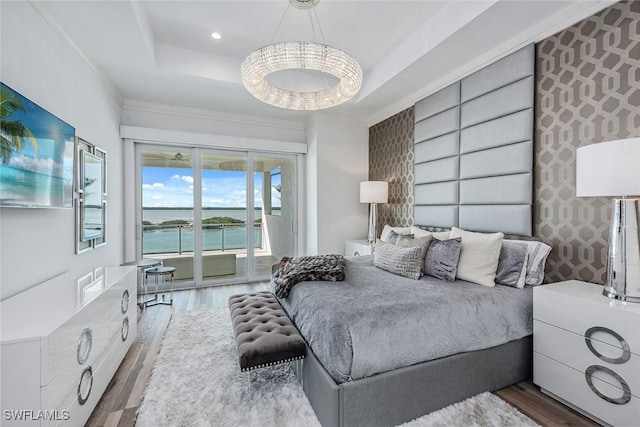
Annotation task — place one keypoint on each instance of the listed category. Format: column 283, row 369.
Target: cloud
column 186, row 178
column 155, row 185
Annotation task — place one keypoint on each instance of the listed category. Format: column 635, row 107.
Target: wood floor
column 123, row 396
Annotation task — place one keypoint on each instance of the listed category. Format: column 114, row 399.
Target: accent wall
column 586, row 91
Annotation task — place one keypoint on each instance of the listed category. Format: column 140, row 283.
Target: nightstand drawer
column 571, row 385
column 571, row 349
column 578, row 306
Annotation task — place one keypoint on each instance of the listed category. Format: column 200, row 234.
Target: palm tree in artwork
column 12, row 132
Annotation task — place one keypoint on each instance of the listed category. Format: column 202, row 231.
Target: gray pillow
column 405, row 262
column 442, row 258
column 408, row 241
column 538, row 253
column 512, row 265
column 392, row 237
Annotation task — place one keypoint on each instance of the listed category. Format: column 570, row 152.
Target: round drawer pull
column 85, row 343
column 124, row 304
column 124, row 329
column 85, row 385
column 626, row 391
column 626, row 351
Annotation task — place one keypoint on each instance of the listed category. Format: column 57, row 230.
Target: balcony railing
column 160, row 239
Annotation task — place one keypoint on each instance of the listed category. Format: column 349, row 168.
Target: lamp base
column 623, row 268
column 372, row 234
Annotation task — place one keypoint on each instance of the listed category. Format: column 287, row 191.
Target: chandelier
column 299, row 55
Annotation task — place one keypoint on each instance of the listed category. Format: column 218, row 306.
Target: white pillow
column 419, row 232
column 479, row 256
column 388, row 229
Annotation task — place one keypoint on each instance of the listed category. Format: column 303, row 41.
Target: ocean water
column 27, row 188
column 173, row 240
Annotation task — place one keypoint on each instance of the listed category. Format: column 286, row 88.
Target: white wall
column 37, row 244
column 337, row 161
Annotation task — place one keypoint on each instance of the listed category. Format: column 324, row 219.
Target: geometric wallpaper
column 587, row 91
column 391, row 159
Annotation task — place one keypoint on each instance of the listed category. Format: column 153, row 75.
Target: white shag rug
column 196, row 381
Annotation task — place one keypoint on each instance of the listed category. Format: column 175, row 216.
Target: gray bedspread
column 375, row 321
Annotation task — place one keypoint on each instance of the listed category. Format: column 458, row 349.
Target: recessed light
column 216, row 36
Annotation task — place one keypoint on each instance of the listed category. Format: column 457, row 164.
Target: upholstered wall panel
column 494, row 76
column 436, row 216
column 437, row 171
column 442, row 100
column 494, row 125
column 438, row 148
column 506, row 160
column 587, row 91
column 516, row 127
column 441, row 193
column 437, row 125
column 512, row 218
column 515, row 97
column 497, row 190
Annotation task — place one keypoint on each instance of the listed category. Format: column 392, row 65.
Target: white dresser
column 62, row 341
column 587, row 351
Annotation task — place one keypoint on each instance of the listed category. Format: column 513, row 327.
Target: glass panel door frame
column 198, row 151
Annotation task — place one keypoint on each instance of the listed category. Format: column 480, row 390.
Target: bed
column 374, row 356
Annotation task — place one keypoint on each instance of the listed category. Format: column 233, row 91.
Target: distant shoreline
column 190, row 209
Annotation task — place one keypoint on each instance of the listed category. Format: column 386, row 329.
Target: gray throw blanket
column 290, row 271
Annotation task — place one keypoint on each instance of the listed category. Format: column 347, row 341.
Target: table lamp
column 612, row 168
column 373, row 192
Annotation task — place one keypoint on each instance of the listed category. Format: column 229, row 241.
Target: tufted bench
column 264, row 333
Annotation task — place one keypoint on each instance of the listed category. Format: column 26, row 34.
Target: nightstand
column 357, row 248
column 587, row 351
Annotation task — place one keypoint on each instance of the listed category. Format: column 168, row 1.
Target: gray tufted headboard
column 474, row 150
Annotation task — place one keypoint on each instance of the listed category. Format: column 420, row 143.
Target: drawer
column 71, row 339
column 571, row 385
column 118, row 326
column 572, row 350
column 582, row 307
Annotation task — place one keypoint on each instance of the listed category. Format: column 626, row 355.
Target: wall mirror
column 91, row 197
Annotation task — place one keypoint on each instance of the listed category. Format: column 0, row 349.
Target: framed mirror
column 92, row 214
column 91, row 197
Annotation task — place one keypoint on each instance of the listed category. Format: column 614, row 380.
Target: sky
column 173, row 187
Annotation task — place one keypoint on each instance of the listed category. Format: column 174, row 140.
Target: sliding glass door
column 217, row 216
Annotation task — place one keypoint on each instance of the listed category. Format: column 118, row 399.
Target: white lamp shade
column 609, row 168
column 374, row 192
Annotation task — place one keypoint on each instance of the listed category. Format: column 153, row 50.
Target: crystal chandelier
column 298, row 55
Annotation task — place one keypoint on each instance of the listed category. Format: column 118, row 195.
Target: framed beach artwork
column 36, row 155
column 91, row 199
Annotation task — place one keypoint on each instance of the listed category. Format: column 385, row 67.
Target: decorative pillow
column 419, row 232
column 512, row 265
column 392, row 237
column 387, row 229
column 408, row 241
column 442, row 258
column 479, row 256
column 405, row 262
column 538, row 253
